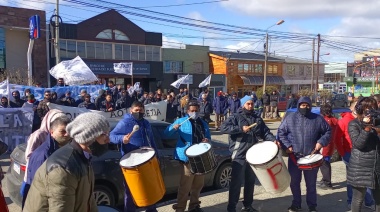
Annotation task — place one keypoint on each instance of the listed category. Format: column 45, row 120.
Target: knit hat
column 245, row 99
column 87, row 127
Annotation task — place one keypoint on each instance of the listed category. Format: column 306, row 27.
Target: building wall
column 16, row 23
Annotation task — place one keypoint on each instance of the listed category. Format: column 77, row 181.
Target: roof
column 293, row 60
column 244, row 56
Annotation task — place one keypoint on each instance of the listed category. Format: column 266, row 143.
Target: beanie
column 245, row 99
column 87, row 127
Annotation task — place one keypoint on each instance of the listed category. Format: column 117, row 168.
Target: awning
column 259, row 80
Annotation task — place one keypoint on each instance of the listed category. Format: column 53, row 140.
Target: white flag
column 205, row 82
column 131, row 90
column 74, row 72
column 123, row 68
column 179, row 81
column 136, row 86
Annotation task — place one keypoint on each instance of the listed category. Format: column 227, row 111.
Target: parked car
column 109, row 189
column 282, row 101
column 340, row 100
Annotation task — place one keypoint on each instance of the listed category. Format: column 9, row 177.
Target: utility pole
column 319, row 46
column 56, row 43
column 312, row 68
column 265, row 62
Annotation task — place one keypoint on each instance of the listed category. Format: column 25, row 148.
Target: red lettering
column 273, row 175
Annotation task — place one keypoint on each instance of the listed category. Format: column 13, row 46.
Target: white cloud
column 35, row 5
column 171, row 43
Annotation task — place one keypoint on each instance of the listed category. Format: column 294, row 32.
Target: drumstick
column 135, row 128
column 185, row 120
column 312, row 153
column 252, row 125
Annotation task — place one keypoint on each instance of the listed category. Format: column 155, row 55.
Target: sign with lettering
column 108, row 68
column 15, row 125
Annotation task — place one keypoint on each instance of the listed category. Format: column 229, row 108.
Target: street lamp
column 266, row 53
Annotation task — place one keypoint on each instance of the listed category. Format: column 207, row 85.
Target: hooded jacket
column 329, row 149
column 239, row 141
column 220, row 105
column 344, row 144
column 142, row 137
column 303, row 132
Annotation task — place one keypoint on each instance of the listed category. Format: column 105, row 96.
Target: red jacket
column 344, row 144
column 329, row 149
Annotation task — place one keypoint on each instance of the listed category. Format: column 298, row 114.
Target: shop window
column 126, row 52
column 108, row 51
column 156, row 54
column 118, row 51
column 246, row 68
column 270, row 69
column 62, row 49
column 275, row 69
column 173, row 67
column 149, row 53
column 134, row 52
column 198, row 67
column 142, row 53
column 240, row 67
column 258, row 68
column 90, row 49
column 71, row 49
column 81, row 49
column 99, row 52
column 2, row 48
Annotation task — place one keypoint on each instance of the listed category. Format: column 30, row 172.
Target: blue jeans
column 129, row 205
column 240, row 169
column 295, row 184
column 368, row 200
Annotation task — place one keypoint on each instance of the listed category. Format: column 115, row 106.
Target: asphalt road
column 5, row 162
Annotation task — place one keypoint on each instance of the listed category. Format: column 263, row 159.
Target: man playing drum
column 242, row 136
column 122, row 134
column 191, row 130
column 303, row 133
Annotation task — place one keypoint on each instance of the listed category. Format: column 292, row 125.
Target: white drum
column 201, row 158
column 266, row 161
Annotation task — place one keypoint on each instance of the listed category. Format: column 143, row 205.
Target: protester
column 220, row 106
column 33, row 103
column 54, row 97
column 205, row 110
column 233, row 104
column 83, row 92
column 3, row 203
column 100, row 98
column 266, row 103
column 107, row 105
column 344, row 147
column 143, row 97
column 4, row 102
column 112, row 90
column 292, row 102
column 240, row 139
column 363, row 168
column 57, row 138
column 18, row 102
column 303, row 133
column 121, row 134
column 65, row 181
column 327, row 152
column 171, row 109
column 149, row 99
column 67, row 100
column 258, row 106
column 273, row 104
column 87, row 103
column 125, row 101
column 27, row 92
column 42, row 107
column 193, row 131
column 60, row 82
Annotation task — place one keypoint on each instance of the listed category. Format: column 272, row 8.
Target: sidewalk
column 328, row 200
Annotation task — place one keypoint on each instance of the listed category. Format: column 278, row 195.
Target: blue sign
column 34, row 27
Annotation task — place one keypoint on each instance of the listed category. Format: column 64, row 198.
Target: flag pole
column 132, row 76
column 8, row 91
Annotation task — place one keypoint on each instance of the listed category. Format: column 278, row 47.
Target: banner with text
column 15, row 125
column 153, row 111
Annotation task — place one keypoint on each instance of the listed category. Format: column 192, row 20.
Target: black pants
column 326, row 172
column 240, row 169
column 358, row 197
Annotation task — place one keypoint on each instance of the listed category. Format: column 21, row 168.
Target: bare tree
column 14, row 76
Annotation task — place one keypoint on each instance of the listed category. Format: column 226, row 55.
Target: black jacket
column 239, row 141
column 266, row 99
column 365, row 158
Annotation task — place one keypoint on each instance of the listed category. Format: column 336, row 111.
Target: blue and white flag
column 205, row 82
column 123, row 68
column 179, row 81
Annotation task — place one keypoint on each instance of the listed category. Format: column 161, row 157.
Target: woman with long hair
column 364, row 166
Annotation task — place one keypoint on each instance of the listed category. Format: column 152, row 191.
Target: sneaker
column 371, row 207
column 294, row 208
column 312, row 209
column 196, row 209
column 349, row 206
column 323, row 186
column 248, row 209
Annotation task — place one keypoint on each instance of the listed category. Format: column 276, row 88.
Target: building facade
column 111, row 38
column 244, row 72
column 14, row 42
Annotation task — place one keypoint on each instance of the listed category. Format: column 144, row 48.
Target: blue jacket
column 185, row 132
column 143, row 137
column 234, row 105
column 220, row 104
column 302, row 133
column 39, row 156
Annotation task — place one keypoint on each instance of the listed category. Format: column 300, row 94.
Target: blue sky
column 345, row 19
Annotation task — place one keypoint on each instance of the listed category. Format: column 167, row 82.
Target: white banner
column 180, row 81
column 123, row 68
column 15, row 125
column 153, row 111
column 74, row 72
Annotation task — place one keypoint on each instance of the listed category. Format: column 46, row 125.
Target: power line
column 188, row 4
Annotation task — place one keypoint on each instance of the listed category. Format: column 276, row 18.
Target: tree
column 14, row 76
